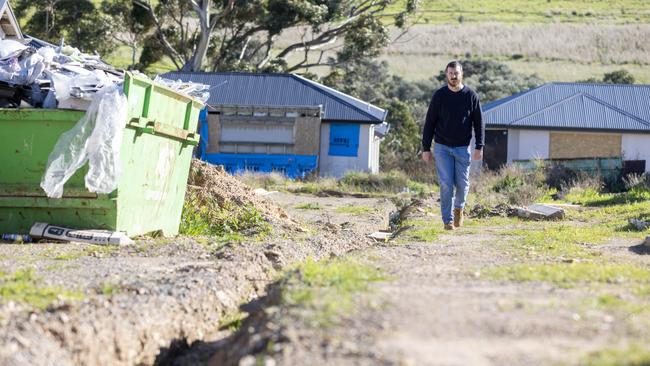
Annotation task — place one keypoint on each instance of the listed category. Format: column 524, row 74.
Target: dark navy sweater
column 451, row 117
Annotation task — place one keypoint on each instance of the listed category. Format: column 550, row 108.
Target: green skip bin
column 155, row 154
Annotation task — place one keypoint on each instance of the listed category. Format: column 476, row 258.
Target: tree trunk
column 195, row 63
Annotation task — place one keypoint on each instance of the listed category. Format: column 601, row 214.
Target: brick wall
column 567, row 145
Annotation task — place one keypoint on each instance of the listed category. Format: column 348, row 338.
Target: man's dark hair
column 453, row 65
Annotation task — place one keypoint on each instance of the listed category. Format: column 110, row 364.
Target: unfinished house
column 286, row 123
column 592, row 125
column 9, row 26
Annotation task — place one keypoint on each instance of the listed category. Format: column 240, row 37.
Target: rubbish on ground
column 540, row 212
column 95, row 139
column 639, row 225
column 16, row 238
column 381, row 235
column 101, row 237
column 263, row 192
column 481, row 211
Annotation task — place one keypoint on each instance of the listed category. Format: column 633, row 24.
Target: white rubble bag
column 95, row 139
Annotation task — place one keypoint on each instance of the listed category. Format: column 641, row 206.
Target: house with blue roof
column 563, row 121
column 286, row 123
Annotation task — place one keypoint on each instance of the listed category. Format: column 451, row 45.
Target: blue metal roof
column 602, row 107
column 250, row 89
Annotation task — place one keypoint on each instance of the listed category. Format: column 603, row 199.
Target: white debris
column 99, row 237
column 540, row 212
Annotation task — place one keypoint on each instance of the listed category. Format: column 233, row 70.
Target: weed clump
column 217, row 204
column 25, row 286
column 325, row 288
column 511, row 184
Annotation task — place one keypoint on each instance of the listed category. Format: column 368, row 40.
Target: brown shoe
column 449, row 226
column 458, row 217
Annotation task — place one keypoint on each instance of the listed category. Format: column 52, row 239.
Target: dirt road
column 442, row 303
column 499, row 291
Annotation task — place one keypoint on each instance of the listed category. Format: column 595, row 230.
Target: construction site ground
column 445, row 298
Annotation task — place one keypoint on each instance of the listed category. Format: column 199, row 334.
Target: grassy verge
column 24, row 286
column 571, row 274
column 535, row 11
column 354, row 210
column 308, row 206
column 633, row 355
column 421, row 230
column 325, row 289
column 381, row 184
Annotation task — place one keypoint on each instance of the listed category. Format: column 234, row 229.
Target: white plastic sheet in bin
column 95, row 139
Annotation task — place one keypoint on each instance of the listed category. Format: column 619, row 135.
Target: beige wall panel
column 307, row 136
column 214, row 128
column 568, row 145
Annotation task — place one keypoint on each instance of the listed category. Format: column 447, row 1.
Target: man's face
column 454, row 76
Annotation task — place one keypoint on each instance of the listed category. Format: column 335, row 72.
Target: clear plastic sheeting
column 95, row 139
column 194, row 90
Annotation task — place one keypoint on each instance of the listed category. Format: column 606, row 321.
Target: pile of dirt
column 212, row 183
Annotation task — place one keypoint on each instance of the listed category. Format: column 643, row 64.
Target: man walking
column 453, row 113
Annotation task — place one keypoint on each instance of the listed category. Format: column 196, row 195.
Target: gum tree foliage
column 77, row 21
column 370, row 81
column 492, row 80
column 618, row 77
column 127, row 24
column 621, row 76
column 243, row 34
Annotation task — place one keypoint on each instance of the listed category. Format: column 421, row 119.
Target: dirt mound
column 212, row 183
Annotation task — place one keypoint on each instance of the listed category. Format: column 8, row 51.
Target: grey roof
column 572, row 106
column 249, row 89
column 38, row 43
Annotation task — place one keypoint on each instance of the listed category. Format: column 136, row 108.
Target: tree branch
column 171, row 52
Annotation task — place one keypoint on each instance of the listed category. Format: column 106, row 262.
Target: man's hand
column 426, row 156
column 477, row 155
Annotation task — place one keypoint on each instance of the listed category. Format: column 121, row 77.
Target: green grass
column 25, row 287
column 354, row 210
column 422, row 230
column 633, row 355
column 227, row 221
column 109, row 289
column 308, row 206
column 384, row 182
column 559, row 240
column 529, row 11
column 614, row 303
column 232, row 322
column 90, row 250
column 571, row 274
column 325, row 288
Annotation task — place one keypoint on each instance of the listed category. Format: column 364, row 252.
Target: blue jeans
column 452, row 166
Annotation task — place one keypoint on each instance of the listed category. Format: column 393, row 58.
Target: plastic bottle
column 17, row 238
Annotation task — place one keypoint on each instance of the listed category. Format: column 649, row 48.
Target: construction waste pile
column 62, row 77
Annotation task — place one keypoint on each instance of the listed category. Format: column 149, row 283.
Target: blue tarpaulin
column 293, row 166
